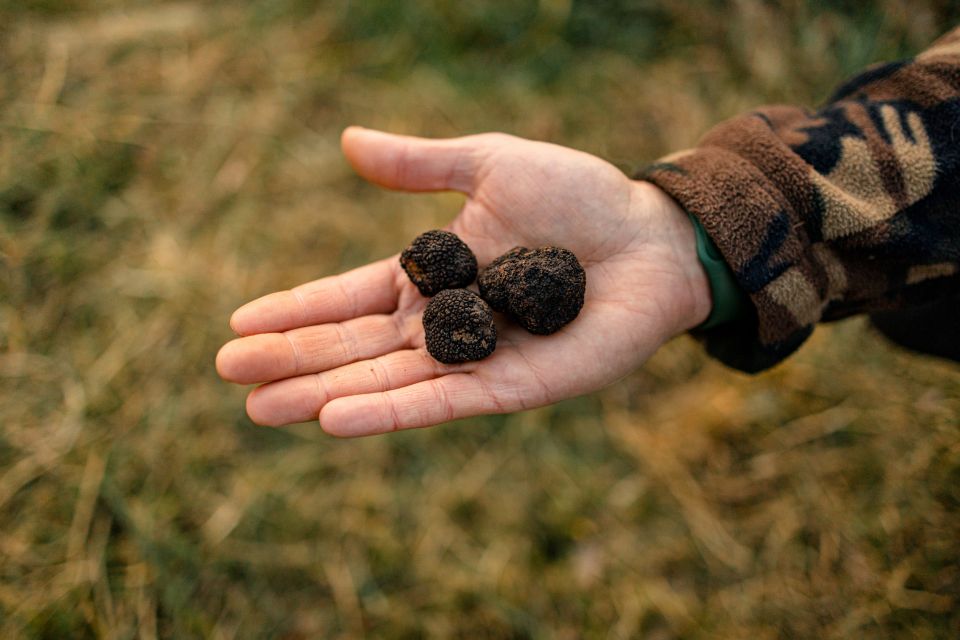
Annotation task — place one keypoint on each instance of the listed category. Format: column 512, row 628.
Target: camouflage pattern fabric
column 853, row 208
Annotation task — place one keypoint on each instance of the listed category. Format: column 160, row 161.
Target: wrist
column 691, row 300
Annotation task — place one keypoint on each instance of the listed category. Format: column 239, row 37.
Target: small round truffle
column 438, row 260
column 541, row 289
column 459, row 327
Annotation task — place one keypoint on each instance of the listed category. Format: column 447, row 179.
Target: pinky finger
column 453, row 396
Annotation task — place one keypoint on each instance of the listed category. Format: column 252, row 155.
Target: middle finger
column 275, row 356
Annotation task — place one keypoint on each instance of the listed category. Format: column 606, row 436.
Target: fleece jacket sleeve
column 852, row 208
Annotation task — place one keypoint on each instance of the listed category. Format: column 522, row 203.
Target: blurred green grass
column 162, row 162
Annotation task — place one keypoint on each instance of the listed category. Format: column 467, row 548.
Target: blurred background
column 163, row 162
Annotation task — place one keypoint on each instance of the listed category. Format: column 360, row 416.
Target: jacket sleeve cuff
column 758, row 235
column 729, row 302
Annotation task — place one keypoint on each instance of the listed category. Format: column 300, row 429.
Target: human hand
column 350, row 348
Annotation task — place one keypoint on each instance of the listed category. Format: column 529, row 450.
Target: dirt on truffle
column 438, row 260
column 458, row 326
column 541, row 289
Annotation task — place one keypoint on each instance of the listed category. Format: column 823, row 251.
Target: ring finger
column 301, row 398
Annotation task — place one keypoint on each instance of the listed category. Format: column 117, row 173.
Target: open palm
column 350, row 348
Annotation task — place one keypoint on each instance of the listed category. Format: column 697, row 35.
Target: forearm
column 853, row 208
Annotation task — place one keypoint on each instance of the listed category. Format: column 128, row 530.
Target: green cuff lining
column 729, row 300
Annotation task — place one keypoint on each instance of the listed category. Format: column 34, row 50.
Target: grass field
column 163, row 162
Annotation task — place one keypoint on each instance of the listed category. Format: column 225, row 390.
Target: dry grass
column 161, row 163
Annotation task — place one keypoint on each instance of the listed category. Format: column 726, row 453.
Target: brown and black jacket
column 851, row 208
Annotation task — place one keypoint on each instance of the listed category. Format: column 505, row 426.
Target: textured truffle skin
column 541, row 289
column 496, row 273
column 438, row 260
column 459, row 327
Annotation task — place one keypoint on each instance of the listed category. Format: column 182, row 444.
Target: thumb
column 415, row 164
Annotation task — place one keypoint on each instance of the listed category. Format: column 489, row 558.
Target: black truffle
column 541, row 289
column 459, row 327
column 438, row 260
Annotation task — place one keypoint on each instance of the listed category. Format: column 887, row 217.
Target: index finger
column 368, row 289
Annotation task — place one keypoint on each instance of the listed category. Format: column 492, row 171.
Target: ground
column 161, row 163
